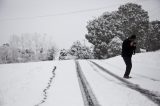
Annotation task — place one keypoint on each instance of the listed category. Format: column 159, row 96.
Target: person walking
column 128, row 49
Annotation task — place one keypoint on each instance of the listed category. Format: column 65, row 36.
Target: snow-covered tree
column 28, row 47
column 76, row 51
column 80, row 51
column 134, row 20
column 51, row 53
column 101, row 31
column 114, row 47
column 8, row 54
column 4, row 53
column 154, row 36
column 63, row 54
column 129, row 19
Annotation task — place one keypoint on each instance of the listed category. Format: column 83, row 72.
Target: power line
column 59, row 14
column 62, row 14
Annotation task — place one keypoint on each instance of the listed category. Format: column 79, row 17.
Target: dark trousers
column 128, row 63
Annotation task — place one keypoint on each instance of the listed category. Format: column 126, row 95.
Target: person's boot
column 127, row 77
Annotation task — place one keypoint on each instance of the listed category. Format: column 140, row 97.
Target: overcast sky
column 64, row 20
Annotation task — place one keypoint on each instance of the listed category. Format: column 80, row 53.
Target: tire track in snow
column 87, row 93
column 146, row 77
column 93, row 66
column 47, row 88
column 148, row 66
column 149, row 94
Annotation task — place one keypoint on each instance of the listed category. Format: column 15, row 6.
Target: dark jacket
column 127, row 49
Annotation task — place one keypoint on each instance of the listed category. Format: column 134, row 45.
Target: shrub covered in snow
column 63, row 54
column 80, row 51
column 114, row 47
column 76, row 51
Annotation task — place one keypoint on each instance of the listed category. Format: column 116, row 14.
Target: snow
column 18, row 83
column 65, row 90
column 112, row 92
column 145, row 69
column 23, row 84
column 116, row 40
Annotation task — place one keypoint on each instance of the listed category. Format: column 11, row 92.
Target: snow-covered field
column 82, row 82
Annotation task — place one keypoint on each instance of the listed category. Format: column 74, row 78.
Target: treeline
column 107, row 32
column 76, row 51
column 27, row 48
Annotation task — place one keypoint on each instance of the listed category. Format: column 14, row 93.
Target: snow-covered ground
column 81, row 83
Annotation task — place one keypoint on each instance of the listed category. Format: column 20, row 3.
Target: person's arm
column 134, row 47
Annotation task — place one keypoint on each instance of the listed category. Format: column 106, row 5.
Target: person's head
column 132, row 37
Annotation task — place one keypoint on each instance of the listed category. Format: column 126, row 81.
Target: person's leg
column 128, row 63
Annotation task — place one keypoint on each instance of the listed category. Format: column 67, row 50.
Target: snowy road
column 112, row 90
column 81, row 83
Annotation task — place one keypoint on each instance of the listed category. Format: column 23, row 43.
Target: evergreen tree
column 134, row 20
column 154, row 36
column 101, row 31
column 129, row 19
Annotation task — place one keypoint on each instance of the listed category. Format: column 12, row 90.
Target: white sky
column 16, row 17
